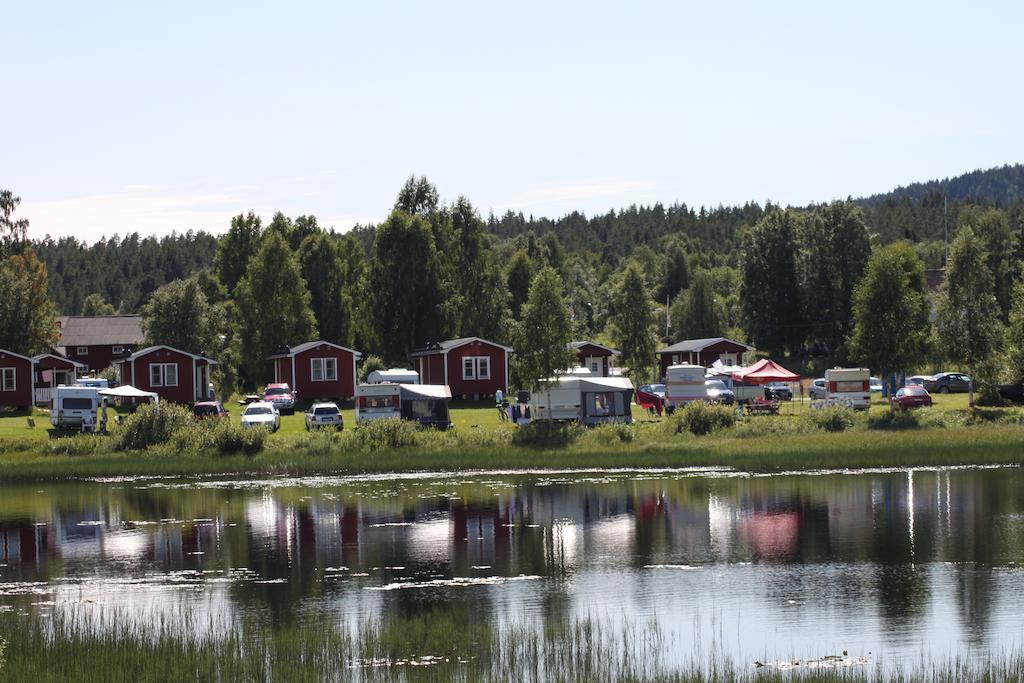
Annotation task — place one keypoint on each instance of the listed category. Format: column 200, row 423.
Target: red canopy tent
column 764, row 371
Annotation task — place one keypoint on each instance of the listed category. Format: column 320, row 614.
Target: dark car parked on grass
column 778, row 391
column 948, row 383
column 209, row 409
column 913, row 396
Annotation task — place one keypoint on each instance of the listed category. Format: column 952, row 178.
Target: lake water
column 892, row 565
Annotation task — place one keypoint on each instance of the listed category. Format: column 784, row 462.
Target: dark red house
column 51, row 371
column 472, row 367
column 702, row 352
column 15, row 380
column 593, row 356
column 172, row 374
column 317, row 369
column 98, row 341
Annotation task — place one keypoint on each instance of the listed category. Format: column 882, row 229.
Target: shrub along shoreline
column 155, row 443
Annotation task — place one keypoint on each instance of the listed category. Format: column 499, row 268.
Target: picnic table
column 762, row 407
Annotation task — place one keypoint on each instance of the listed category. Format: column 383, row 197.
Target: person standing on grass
column 103, row 416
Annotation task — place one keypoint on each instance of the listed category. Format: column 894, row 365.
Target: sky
column 154, row 117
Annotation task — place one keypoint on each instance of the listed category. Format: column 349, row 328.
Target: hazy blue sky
column 152, row 117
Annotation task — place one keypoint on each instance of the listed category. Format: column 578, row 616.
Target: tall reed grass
column 429, row 647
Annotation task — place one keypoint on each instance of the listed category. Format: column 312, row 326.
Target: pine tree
column 236, row 248
column 331, row 301
column 696, row 314
column 273, row 305
column 771, row 291
column 405, row 295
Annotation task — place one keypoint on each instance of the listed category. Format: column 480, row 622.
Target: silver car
column 262, row 414
column 322, row 415
column 819, row 389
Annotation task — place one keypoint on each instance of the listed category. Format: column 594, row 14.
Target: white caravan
column 75, row 408
column 684, row 384
column 849, row 386
column 589, row 400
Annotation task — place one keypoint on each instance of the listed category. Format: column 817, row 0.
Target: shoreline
column 980, row 445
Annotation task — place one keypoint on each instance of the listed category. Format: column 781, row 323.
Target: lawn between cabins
column 480, row 442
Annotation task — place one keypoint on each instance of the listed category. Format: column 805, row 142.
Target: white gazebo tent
column 128, row 391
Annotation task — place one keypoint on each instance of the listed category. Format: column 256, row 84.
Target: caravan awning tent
column 425, row 391
column 765, row 371
column 128, row 391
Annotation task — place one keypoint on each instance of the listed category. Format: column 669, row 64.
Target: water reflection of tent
column 772, row 534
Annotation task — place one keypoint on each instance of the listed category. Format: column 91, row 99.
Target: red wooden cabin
column 172, row 374
column 51, row 371
column 317, row 369
column 702, row 352
column 472, row 367
column 593, row 356
column 15, row 380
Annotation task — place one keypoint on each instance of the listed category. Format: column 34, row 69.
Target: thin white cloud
column 148, row 210
column 561, row 194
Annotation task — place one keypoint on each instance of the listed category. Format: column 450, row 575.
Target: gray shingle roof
column 101, row 330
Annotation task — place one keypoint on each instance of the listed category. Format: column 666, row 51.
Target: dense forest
column 783, row 278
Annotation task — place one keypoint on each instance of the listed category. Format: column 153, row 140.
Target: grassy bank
column 62, row 648
column 800, row 439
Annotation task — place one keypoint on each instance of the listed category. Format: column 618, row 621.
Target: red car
column 209, row 409
column 912, row 396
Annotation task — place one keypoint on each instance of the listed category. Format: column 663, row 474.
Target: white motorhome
column 426, row 404
column 684, row 384
column 851, row 385
column 395, row 375
column 590, row 400
column 75, row 408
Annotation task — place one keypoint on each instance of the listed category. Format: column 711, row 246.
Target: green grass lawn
column 478, row 441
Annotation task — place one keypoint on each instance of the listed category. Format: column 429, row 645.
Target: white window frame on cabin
column 162, row 376
column 82, row 351
column 4, row 374
column 475, row 367
column 116, row 349
column 328, row 369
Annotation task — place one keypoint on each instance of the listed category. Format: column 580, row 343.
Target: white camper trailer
column 394, row 375
column 589, row 400
column 426, row 404
column 684, row 384
column 75, row 408
column 851, row 385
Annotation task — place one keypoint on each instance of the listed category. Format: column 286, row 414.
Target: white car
column 324, row 415
column 261, row 414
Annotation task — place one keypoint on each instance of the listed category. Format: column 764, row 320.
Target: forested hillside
column 782, row 278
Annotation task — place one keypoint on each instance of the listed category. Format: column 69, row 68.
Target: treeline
column 122, row 271
column 784, row 279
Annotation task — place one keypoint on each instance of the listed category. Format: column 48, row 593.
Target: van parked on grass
column 75, row 408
